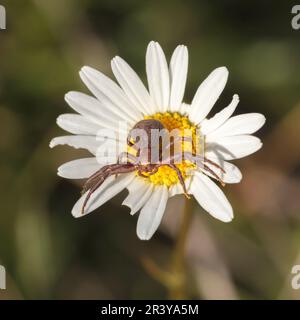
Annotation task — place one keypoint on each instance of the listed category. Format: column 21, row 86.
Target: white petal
column 109, row 93
column 108, row 108
column 77, row 124
column 177, row 188
column 207, row 94
column 158, row 76
column 232, row 147
column 184, row 109
column 132, row 85
column 241, row 124
column 152, row 213
column 110, row 187
column 232, row 173
column 178, row 75
column 94, row 111
column 139, row 193
column 91, row 108
column 209, row 125
column 211, row 198
column 78, row 142
column 79, row 169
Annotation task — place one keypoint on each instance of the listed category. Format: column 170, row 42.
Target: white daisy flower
column 226, row 137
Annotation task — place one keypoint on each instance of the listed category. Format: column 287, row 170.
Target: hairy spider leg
column 91, row 180
column 181, row 180
column 200, row 159
column 197, row 159
column 203, row 159
column 150, row 169
column 207, row 168
column 103, row 175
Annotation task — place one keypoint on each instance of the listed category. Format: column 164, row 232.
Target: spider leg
column 207, row 168
column 180, row 177
column 155, row 169
column 96, row 173
column 150, row 169
column 140, row 173
column 91, row 190
column 102, row 175
column 203, row 160
column 91, row 180
column 214, row 164
column 199, row 160
column 127, row 156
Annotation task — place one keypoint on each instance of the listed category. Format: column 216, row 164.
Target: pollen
column 166, row 175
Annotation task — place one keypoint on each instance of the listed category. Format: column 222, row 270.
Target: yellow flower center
column 166, row 175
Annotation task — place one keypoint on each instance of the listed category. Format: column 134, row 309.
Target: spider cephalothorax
column 140, row 139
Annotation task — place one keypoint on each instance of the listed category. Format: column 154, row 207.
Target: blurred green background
column 49, row 254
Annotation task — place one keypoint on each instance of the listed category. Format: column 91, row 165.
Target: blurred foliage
column 48, row 253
